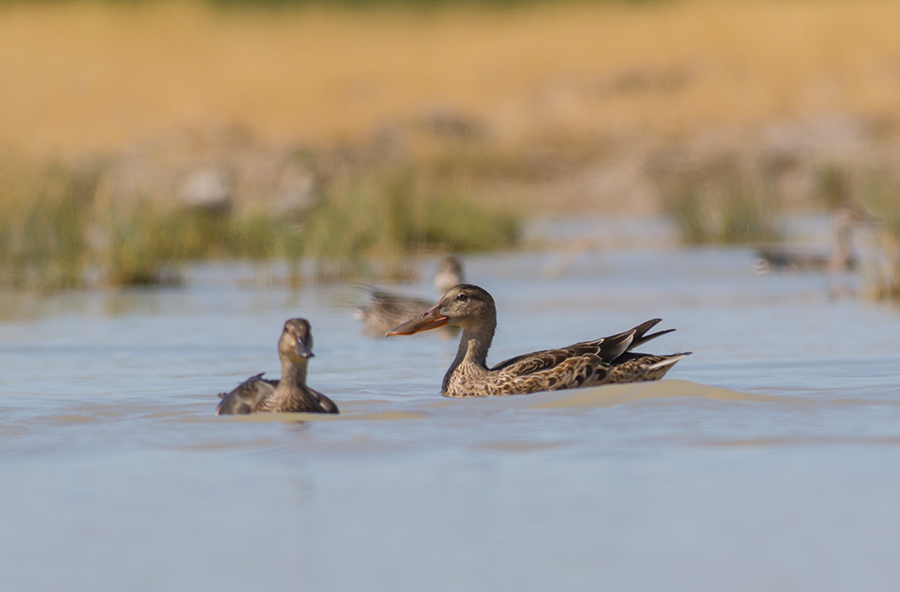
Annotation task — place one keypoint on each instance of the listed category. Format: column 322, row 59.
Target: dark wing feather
column 549, row 358
column 640, row 333
column 606, row 349
column 780, row 257
column 325, row 405
column 246, row 396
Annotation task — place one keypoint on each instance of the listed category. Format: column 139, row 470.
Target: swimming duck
column 841, row 258
column 590, row 363
column 290, row 394
column 449, row 274
column 385, row 310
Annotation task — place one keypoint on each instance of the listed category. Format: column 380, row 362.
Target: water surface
column 766, row 461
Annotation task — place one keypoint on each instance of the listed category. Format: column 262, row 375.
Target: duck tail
column 669, row 360
column 616, row 345
column 640, row 333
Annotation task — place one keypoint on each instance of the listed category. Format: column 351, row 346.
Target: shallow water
column 766, row 461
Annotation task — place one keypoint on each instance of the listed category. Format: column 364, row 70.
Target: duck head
column 464, row 305
column 296, row 341
column 449, row 274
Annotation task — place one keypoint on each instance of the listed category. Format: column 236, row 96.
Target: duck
column 288, row 395
column 385, row 310
column 607, row 360
column 842, row 256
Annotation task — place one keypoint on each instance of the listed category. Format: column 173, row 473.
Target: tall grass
column 59, row 228
column 384, row 216
column 43, row 223
column 142, row 246
column 726, row 207
column 883, row 198
column 408, row 4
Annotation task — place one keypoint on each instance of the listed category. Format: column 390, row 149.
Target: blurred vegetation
column 832, row 186
column 60, row 228
column 42, row 229
column 724, row 206
column 391, row 212
column 882, row 191
column 355, row 4
column 364, row 4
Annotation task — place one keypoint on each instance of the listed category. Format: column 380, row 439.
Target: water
column 766, row 461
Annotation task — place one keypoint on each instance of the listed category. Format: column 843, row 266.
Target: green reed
column 882, row 197
column 43, row 227
column 725, row 207
column 384, row 216
column 59, row 228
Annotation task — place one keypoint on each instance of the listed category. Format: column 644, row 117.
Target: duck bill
column 303, row 350
column 430, row 319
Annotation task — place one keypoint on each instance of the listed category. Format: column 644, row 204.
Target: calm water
column 767, row 461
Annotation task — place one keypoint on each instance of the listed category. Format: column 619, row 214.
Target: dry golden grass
column 81, row 77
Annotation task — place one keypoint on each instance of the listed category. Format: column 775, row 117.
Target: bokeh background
column 179, row 178
column 347, row 136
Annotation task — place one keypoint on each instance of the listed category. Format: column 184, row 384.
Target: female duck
column 603, row 361
column 386, row 309
column 842, row 256
column 290, row 394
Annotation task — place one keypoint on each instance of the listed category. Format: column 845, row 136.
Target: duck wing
column 246, row 396
column 603, row 350
column 398, row 303
column 640, row 336
column 787, row 258
column 386, row 310
column 325, row 405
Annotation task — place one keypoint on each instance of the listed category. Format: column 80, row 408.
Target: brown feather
column 589, row 363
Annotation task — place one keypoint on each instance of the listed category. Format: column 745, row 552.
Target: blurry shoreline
column 556, row 106
column 250, row 119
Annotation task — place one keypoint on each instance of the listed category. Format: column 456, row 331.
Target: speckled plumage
column 590, row 363
column 637, row 367
column 290, row 394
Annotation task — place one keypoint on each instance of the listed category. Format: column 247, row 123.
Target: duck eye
column 462, row 297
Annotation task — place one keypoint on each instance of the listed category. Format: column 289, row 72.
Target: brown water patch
column 258, row 444
column 609, row 396
column 768, row 442
column 513, row 446
column 72, row 419
column 304, row 417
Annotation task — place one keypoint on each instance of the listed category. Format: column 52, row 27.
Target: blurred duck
column 290, row 394
column 385, row 310
column 602, row 361
column 841, row 258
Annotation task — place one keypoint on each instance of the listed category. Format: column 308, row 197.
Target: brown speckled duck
column 290, row 394
column 603, row 361
column 385, row 310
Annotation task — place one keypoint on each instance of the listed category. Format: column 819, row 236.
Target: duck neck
column 473, row 348
column 293, row 374
column 843, row 243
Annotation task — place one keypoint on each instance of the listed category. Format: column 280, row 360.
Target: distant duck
column 290, row 394
column 449, row 274
column 386, row 310
column 603, row 361
column 841, row 258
